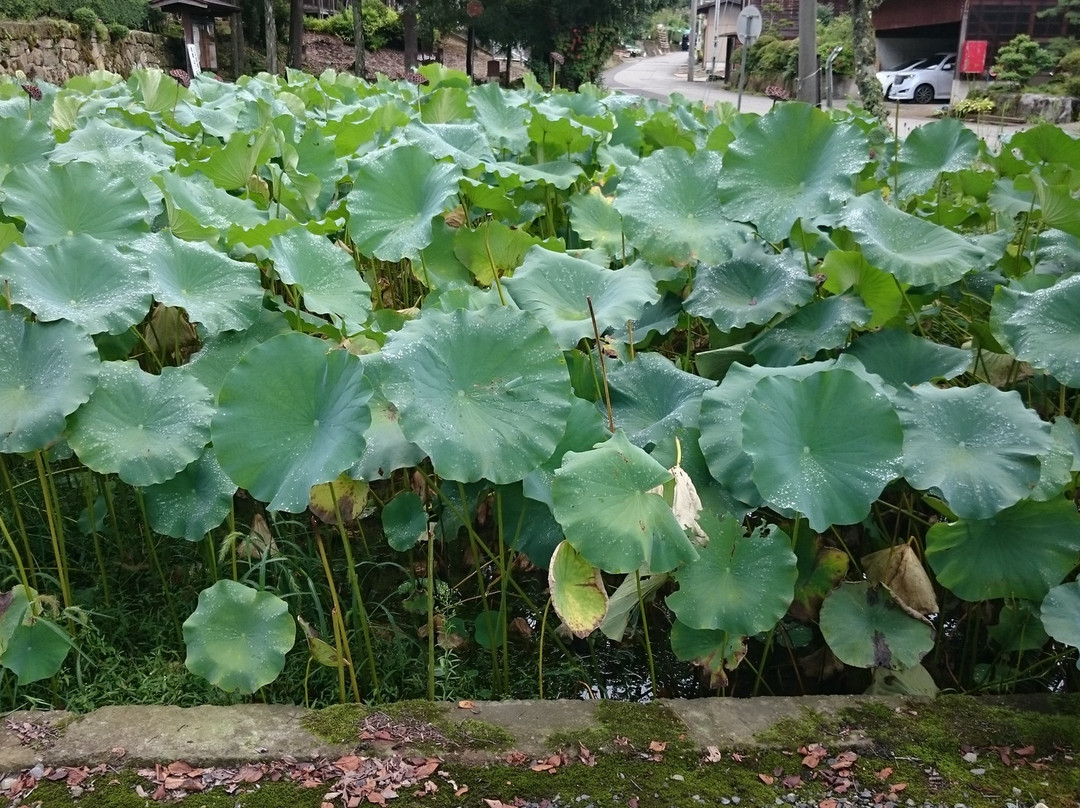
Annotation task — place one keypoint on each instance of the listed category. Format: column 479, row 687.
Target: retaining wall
column 55, row 50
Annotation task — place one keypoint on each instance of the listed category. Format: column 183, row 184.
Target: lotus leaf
column 585, row 427
column 405, row 522
column 577, row 591
column 740, row 584
column 626, row 600
column 753, row 287
column 651, row 398
column 386, row 448
column 594, row 217
column 1061, row 614
column 977, row 445
column 903, row 359
column 945, row 146
column 867, row 628
column 716, row 651
column 670, row 210
column 823, row 324
column 848, row 269
column 484, row 394
column 603, row 499
column 393, row 226
column 79, row 279
column 54, row 203
column 237, row 637
column 21, row 142
column 339, row 501
column 556, row 289
column 291, row 414
column 1018, row 627
column 530, row 528
column 490, row 629
column 192, row 503
column 821, row 569
column 503, row 115
column 900, row 569
column 324, row 273
column 46, row 371
column 214, row 290
column 1022, row 552
column 1042, row 327
column 917, row 252
column 35, row 650
column 463, row 142
column 492, row 249
column 141, row 427
column 809, row 460
column 795, row 163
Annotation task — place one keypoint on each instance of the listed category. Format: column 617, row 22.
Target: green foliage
column 85, row 17
column 382, row 25
column 117, row 31
column 836, row 32
column 1020, row 59
column 586, row 50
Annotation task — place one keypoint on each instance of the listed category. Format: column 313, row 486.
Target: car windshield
column 905, row 65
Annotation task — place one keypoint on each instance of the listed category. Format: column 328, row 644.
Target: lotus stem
column 758, row 678
column 20, row 525
column 504, row 573
column 151, row 546
column 88, row 491
column 645, row 629
column 56, row 530
column 335, row 612
column 431, row 617
column 540, row 665
column 15, row 554
column 603, row 369
column 474, row 541
column 359, row 611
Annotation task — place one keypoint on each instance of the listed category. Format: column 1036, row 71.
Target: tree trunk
column 359, row 64
column 807, row 84
column 864, row 48
column 470, row 48
column 408, row 29
column 237, row 24
column 271, row 36
column 296, row 34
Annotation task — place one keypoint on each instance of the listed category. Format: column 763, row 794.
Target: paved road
column 660, row 76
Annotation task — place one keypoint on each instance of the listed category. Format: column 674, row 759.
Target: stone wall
column 54, row 51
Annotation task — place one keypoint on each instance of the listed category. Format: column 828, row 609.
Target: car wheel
column 924, row 94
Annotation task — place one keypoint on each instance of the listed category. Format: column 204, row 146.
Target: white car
column 925, row 81
column 886, row 76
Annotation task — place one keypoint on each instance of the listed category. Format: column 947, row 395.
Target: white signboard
column 193, row 60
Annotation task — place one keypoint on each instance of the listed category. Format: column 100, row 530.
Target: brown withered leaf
column 767, row 779
column 712, row 754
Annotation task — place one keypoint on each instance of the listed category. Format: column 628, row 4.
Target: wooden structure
column 197, row 18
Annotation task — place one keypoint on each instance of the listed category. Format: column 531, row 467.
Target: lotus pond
column 321, row 391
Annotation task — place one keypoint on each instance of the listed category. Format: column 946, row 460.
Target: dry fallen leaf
column 712, row 754
column 885, row 773
column 767, row 779
column 657, row 746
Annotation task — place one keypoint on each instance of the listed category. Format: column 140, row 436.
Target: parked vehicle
column 925, row 81
column 886, row 76
column 633, row 49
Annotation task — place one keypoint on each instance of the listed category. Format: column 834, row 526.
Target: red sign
column 973, row 59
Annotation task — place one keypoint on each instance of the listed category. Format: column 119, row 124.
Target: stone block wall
column 55, row 50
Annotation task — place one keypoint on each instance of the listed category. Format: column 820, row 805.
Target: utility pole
column 692, row 48
column 808, row 80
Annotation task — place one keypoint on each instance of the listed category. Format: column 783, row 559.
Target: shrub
column 382, row 26
column 1020, row 59
column 117, row 31
column 86, row 18
column 1071, row 86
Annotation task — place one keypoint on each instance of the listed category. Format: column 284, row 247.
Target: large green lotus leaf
column 867, row 628
column 484, row 393
column 670, row 209
column 577, row 591
column 753, row 287
column 141, row 427
column 585, row 427
column 237, row 637
column 556, row 288
column 79, row 279
column 396, row 193
column 463, row 142
column 22, row 141
column 559, row 174
column 916, row 251
column 651, row 398
column 231, row 166
column 824, row 324
column 220, row 352
column 1021, row 552
column 794, row 163
column 901, row 358
column 1058, row 462
column 492, row 249
column 214, row 290
column 604, row 501
column 404, row 521
column 35, row 650
column 848, row 269
column 716, row 651
column 594, row 217
column 193, row 502
column 824, row 446
column 977, row 445
column 46, row 371
column 929, row 151
column 504, row 116
column 324, row 273
column 9, row 234
column 386, row 448
column 1061, row 614
column 1042, row 327
column 197, row 209
column 739, row 584
column 63, row 200
column 1044, row 143
column 530, row 527
column 291, row 414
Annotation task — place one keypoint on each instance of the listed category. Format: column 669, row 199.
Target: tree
column 1069, row 9
column 296, row 34
column 1020, row 59
column 865, row 52
column 359, row 63
column 271, row 36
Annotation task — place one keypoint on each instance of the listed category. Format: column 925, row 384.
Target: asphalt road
column 660, row 76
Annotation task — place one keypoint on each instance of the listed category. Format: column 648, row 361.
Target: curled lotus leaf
column 1042, row 327
column 718, row 652
column 577, row 591
column 237, row 637
column 932, row 150
column 1061, row 614
column 192, row 503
